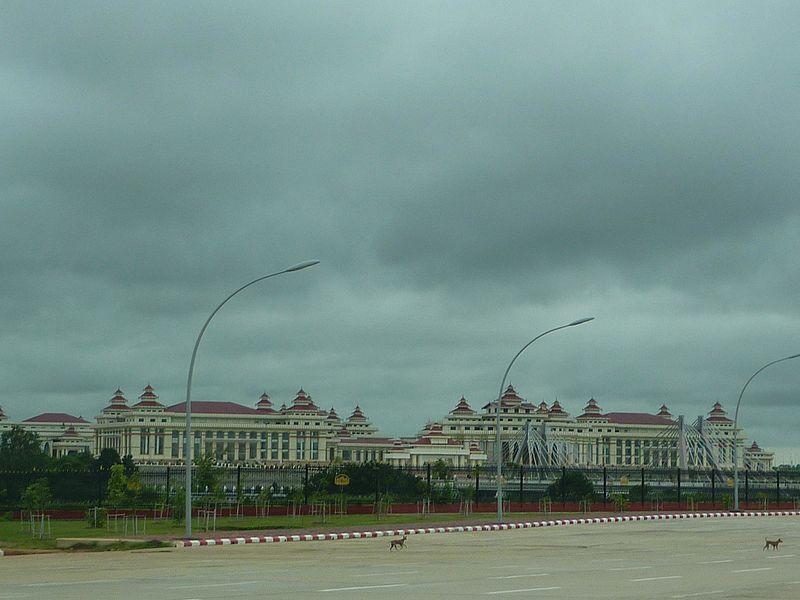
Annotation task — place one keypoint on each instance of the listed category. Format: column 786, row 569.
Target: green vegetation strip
column 14, row 535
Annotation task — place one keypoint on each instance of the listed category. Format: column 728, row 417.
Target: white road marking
column 656, row 578
column 386, row 573
column 518, row 576
column 629, row 568
column 751, row 570
column 363, row 587
column 715, row 562
column 540, row 589
column 54, row 583
column 782, row 556
column 694, row 595
column 212, row 585
column 607, row 559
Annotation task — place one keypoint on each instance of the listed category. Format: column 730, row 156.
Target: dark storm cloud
column 469, row 174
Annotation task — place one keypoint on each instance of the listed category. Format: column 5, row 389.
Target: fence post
column 521, row 475
column 605, row 484
column 778, row 487
column 679, row 487
column 563, row 486
column 99, row 485
column 746, row 487
column 305, row 487
column 477, row 483
column 377, row 485
column 713, row 487
column 167, row 484
column 428, row 476
column 238, row 480
column 642, row 492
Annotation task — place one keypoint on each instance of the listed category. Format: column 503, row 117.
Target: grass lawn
column 14, row 535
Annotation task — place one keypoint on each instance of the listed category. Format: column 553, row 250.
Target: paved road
column 715, row 558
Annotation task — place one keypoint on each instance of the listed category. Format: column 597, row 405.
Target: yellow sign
column 730, row 481
column 624, row 480
column 341, row 479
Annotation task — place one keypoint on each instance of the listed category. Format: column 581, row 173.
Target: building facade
column 60, row 434
column 303, row 433
column 548, row 436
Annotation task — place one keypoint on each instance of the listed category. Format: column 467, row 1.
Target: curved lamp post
column 188, row 406
column 498, row 446
column 736, row 429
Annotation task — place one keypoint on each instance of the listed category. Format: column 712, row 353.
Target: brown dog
column 400, row 544
column 772, row 543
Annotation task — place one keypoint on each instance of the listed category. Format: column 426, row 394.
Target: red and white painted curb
column 356, row 535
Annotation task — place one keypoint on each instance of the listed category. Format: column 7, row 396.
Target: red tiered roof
column 148, row 399
column 717, row 415
column 55, row 418
column 357, row 415
column 117, row 402
column 591, row 410
column 264, row 404
column 332, row 416
column 303, row 402
column 214, row 408
column 664, row 412
column 557, row 410
column 509, row 398
column 542, row 408
column 462, row 408
column 754, row 448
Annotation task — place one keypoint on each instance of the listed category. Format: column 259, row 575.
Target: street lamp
column 498, row 447
column 188, row 406
column 736, row 430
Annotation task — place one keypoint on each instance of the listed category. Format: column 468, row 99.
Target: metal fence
column 647, row 487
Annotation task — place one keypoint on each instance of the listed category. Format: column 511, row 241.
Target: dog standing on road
column 772, row 543
column 399, row 544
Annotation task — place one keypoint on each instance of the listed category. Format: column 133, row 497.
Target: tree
column 107, row 459
column 367, row 479
column 121, row 488
column 440, row 469
column 207, row 475
column 21, row 450
column 130, row 466
column 37, row 495
column 117, row 484
column 576, row 486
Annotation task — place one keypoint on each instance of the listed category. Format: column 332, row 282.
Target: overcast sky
column 468, row 174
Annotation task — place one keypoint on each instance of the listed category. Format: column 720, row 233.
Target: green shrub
column 97, row 517
column 619, row 501
column 178, row 505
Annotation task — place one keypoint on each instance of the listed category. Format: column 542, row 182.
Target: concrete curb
column 469, row 528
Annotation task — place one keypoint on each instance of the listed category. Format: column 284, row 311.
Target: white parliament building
column 303, row 433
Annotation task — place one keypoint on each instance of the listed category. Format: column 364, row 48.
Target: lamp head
column 301, row 266
column 580, row 321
